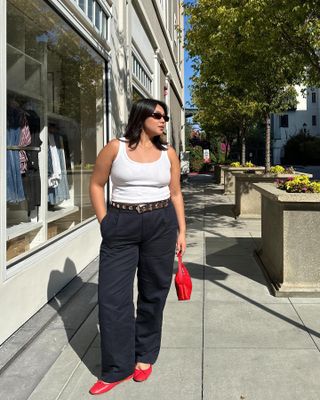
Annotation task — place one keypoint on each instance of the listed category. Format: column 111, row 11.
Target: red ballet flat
column 102, row 387
column 141, row 375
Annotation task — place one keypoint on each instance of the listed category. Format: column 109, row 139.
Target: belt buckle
column 140, row 209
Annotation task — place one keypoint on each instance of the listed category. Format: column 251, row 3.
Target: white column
column 167, row 101
column 127, row 58
column 156, row 75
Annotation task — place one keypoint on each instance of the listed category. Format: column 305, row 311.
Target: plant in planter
column 299, row 184
column 237, row 164
column 279, row 169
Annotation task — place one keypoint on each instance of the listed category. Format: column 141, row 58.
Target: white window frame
column 105, row 11
column 141, row 73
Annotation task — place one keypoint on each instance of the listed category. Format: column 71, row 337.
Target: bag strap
column 180, row 265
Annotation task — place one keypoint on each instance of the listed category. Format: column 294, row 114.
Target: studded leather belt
column 142, row 207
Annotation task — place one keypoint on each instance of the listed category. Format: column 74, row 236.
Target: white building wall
column 299, row 120
column 141, row 40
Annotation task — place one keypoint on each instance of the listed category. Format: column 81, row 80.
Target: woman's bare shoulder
column 110, row 150
column 171, row 152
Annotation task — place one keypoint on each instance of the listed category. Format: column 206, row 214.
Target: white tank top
column 136, row 182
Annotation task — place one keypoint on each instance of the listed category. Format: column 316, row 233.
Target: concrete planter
column 218, row 174
column 247, row 198
column 229, row 178
column 290, row 251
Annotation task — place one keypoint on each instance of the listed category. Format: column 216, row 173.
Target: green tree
column 295, row 25
column 226, row 110
column 229, row 41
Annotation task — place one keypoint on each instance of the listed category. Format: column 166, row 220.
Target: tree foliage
column 240, row 67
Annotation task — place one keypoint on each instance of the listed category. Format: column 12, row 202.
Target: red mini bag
column 183, row 281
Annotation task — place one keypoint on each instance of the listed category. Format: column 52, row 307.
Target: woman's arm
column 177, row 199
column 100, row 176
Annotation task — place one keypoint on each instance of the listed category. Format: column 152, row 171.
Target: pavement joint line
column 267, row 309
column 308, row 330
column 75, row 368
column 204, row 253
column 259, row 348
column 47, row 323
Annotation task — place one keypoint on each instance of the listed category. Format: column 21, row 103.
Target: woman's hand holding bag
column 183, row 280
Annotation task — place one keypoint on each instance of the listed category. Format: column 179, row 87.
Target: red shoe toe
column 102, row 387
column 141, row 375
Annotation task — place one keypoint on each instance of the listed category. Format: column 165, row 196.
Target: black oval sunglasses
column 158, row 115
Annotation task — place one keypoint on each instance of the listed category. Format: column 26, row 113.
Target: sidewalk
column 232, row 341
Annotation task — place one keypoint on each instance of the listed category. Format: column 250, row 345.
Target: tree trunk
column 243, row 147
column 268, row 142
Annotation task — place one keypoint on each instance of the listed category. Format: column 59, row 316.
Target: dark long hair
column 140, row 111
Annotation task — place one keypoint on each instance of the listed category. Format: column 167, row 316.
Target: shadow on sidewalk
column 216, row 276
column 77, row 313
column 235, row 254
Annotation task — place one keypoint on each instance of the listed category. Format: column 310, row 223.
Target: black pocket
column 171, row 216
column 108, row 225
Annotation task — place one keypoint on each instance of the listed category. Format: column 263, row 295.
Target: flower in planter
column 248, row 164
column 277, row 169
column 299, row 184
column 236, row 164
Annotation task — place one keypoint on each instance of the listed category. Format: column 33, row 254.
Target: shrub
column 302, row 149
column 196, row 158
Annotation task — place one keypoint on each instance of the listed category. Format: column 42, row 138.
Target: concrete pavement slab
column 167, row 381
column 310, row 315
column 260, row 374
column 244, row 325
column 182, row 325
column 30, row 367
column 229, row 246
column 245, row 265
column 57, row 376
column 223, row 286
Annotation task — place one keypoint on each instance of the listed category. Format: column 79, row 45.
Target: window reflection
column 55, row 114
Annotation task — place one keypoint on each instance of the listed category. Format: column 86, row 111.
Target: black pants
column 130, row 240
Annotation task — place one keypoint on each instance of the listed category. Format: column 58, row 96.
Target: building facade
column 72, row 68
column 305, row 118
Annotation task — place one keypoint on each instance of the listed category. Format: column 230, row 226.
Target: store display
column 55, row 97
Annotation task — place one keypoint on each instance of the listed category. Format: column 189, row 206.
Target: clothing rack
column 28, row 148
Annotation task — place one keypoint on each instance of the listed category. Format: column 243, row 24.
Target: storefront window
column 54, row 125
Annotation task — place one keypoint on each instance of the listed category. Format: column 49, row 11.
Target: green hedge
column 302, row 149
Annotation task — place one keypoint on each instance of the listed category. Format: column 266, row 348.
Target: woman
column 144, row 226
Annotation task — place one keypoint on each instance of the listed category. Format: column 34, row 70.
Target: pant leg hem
column 111, row 377
column 145, row 360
